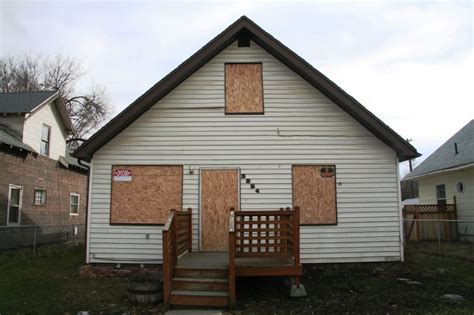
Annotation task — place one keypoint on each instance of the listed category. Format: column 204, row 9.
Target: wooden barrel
column 145, row 289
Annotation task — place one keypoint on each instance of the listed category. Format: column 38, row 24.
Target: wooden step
column 187, row 272
column 200, row 284
column 199, row 298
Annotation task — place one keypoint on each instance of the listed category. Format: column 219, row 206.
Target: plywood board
column 314, row 194
column 219, row 193
column 147, row 196
column 243, row 88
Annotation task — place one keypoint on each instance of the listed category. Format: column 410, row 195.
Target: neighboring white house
column 246, row 112
column 38, row 119
column 447, row 176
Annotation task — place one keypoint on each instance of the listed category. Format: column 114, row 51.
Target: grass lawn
column 50, row 284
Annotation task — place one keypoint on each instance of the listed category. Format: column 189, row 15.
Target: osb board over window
column 148, row 196
column 219, row 193
column 243, row 88
column 315, row 193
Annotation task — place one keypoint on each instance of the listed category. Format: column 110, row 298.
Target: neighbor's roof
column 69, row 161
column 244, row 27
column 7, row 138
column 23, row 102
column 27, row 102
column 445, row 157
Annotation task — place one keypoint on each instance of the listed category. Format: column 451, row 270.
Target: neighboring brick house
column 40, row 184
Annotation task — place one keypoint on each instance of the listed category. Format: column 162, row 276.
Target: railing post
column 296, row 241
column 166, row 267
column 232, row 290
column 174, row 241
column 190, row 231
column 168, row 259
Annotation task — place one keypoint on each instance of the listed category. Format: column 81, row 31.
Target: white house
column 447, row 177
column 245, row 123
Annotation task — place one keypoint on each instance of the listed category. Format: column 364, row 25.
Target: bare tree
column 88, row 109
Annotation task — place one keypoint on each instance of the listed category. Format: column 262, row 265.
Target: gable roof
column 445, row 157
column 28, row 102
column 244, row 27
column 22, row 102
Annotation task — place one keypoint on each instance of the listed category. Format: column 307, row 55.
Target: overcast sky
column 410, row 63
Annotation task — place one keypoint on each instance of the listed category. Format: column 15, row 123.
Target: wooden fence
column 430, row 222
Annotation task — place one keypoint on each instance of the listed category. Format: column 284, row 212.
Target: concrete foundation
column 297, row 291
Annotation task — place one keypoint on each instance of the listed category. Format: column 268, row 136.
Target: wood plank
column 314, row 194
column 219, row 193
column 257, row 271
column 150, row 195
column 243, row 88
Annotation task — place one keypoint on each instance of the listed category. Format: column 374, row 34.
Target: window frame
column 20, row 203
column 460, row 182
column 48, row 142
column 438, row 199
column 34, row 197
column 71, row 204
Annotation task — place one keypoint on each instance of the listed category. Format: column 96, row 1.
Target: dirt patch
column 416, row 286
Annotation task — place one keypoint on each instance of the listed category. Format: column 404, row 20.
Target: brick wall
column 32, row 172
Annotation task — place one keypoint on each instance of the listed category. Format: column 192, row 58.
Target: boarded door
column 219, row 192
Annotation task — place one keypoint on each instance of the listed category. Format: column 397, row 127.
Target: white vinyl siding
column 300, row 126
column 464, row 201
column 33, row 127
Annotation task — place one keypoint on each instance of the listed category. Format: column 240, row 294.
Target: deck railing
column 177, row 239
column 256, row 234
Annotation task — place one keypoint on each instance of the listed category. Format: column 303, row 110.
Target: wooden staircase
column 261, row 243
column 194, row 286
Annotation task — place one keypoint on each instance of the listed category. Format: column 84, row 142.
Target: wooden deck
column 220, row 260
column 261, row 243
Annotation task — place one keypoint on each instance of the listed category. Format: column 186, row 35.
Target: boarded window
column 145, row 194
column 314, row 191
column 243, row 88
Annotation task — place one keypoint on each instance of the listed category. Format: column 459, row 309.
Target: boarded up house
column 245, row 123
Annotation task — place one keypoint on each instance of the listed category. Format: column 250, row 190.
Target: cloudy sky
column 409, row 62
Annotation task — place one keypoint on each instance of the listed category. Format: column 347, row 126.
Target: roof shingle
column 22, row 102
column 445, row 156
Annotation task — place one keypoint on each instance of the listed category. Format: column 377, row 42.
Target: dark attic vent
column 456, row 148
column 244, row 41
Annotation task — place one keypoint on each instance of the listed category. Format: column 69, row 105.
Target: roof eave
column 441, row 171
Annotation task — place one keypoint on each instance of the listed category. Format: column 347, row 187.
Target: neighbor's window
column 40, row 197
column 74, row 204
column 441, row 194
column 45, row 139
column 460, row 187
column 14, row 204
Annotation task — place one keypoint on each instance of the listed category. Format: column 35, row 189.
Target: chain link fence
column 33, row 236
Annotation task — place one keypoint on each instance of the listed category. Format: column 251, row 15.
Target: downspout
column 88, row 190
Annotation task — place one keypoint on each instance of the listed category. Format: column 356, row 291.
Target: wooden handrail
column 232, row 290
column 177, row 239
